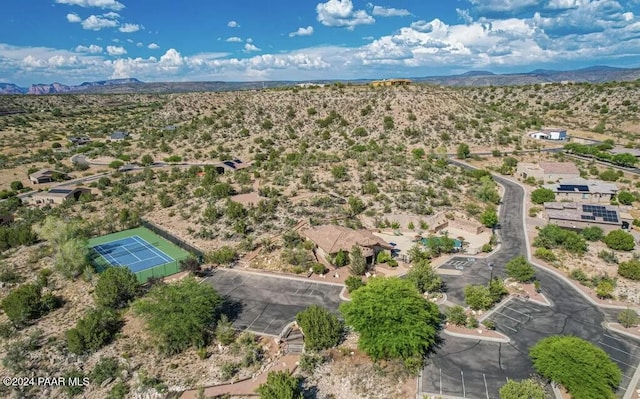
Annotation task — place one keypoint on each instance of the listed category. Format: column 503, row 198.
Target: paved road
column 485, row 366
column 266, row 304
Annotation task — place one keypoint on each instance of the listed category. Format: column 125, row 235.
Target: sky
column 72, row 41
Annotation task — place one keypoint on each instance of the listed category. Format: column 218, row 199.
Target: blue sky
column 71, row 41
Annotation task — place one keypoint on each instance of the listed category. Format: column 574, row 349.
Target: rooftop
column 559, row 168
column 580, row 185
column 582, row 212
column 331, row 238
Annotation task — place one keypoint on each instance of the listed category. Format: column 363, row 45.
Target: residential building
column 117, row 136
column 390, row 82
column 547, row 171
column 330, row 239
column 578, row 216
column 46, row 176
column 57, row 196
column 79, row 140
column 583, row 190
column 550, row 133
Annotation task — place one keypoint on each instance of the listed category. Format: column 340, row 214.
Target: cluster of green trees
column 482, row 297
column 552, row 236
column 599, row 152
column 68, row 239
column 27, row 302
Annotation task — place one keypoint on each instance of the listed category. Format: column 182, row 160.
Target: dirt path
column 246, row 387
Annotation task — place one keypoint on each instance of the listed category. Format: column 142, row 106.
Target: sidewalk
column 246, row 387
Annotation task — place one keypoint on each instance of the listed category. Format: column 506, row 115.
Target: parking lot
column 459, row 263
column 266, row 304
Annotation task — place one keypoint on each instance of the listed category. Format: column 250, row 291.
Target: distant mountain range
column 594, row 74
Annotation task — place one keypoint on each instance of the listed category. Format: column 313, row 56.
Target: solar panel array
column 573, row 187
column 601, row 212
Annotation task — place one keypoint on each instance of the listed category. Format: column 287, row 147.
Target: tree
column 489, row 218
column 518, row 268
column 552, row 236
column 93, row 331
column 625, row 159
column 592, row 233
column 116, row 287
column 280, row 385
column 69, row 241
column 619, row 240
column 393, row 319
column 628, row 318
column 179, row 315
column 321, row 329
column 424, row 277
column 225, row 333
column 73, row 257
column 497, row 290
column 463, row 151
column 116, row 164
column 585, row 370
column 630, row 269
column 190, row 264
column 358, row 263
column 341, row 259
column 625, row 198
column 542, row 195
column 525, row 389
column 221, row 256
column 17, row 185
column 23, row 304
column 478, row 297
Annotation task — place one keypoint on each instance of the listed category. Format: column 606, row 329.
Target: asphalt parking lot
column 266, row 304
column 458, row 263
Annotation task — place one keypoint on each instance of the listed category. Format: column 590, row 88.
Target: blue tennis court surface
column 133, row 252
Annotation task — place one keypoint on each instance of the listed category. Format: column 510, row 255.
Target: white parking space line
column 509, row 317
column 619, row 350
column 464, row 390
column 486, row 389
column 517, row 311
column 619, row 340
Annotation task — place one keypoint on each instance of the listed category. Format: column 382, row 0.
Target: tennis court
column 145, row 253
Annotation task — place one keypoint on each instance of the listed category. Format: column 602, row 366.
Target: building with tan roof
column 548, row 171
column 331, row 239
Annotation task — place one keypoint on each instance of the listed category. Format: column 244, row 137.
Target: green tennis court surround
column 141, row 250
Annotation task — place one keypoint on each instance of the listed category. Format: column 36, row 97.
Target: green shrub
column 116, row 287
column 93, row 331
column 519, row 269
column 457, row 315
column 353, row 283
column 107, row 367
column 222, row 256
column 318, row 268
column 628, row 318
column 619, row 240
column 322, row 330
column 579, row 275
column 545, row 254
column 630, row 269
column 592, row 233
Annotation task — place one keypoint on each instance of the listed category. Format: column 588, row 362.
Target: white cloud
column 116, row 50
column 139, row 44
column 380, row 11
column 249, row 40
column 340, row 13
column 248, row 47
column 111, row 15
column 97, row 23
column 104, row 4
column 504, row 5
column 73, row 18
column 234, row 39
column 93, row 49
column 308, row 31
column 233, row 24
column 129, row 28
column 152, row 46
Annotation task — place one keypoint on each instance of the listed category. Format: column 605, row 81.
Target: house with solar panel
column 577, row 216
column 583, row 191
column 57, row 196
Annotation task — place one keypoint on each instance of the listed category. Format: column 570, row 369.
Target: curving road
column 476, row 369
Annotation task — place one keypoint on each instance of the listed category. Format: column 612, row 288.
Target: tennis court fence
column 173, row 239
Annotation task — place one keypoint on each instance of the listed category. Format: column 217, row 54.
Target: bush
column 528, row 389
column 541, row 195
column 489, row 324
column 353, row 283
column 75, row 389
column 519, row 269
column 604, row 289
column 23, row 304
column 489, row 218
column 478, row 297
column 93, row 331
column 16, row 185
column 472, row 322
column 318, row 268
column 619, row 240
column 624, row 197
column 592, row 233
column 457, row 315
column 280, row 385
column 424, row 277
column 579, row 275
column 608, row 256
column 628, row 318
column 222, row 256
column 225, row 333
column 552, row 236
column 107, row 367
column 309, row 362
column 630, row 269
column 341, row 259
column 322, row 330
column 545, row 254
column 116, row 287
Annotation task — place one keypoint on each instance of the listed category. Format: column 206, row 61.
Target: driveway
column 477, row 369
column 265, row 304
